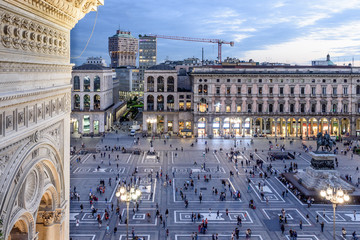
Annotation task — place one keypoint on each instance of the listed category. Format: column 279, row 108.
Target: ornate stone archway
column 35, row 113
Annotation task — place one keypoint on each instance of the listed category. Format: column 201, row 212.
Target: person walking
column 322, row 226
column 282, row 228
column 301, row 224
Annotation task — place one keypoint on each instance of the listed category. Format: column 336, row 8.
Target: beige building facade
column 35, row 105
column 166, row 110
column 94, row 105
column 265, row 100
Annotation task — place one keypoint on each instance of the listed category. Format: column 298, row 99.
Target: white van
column 132, row 132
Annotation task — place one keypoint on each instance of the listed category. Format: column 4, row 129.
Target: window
column 271, row 90
column 205, row 89
column 200, row 89
column 239, row 90
column 86, row 84
column 358, row 89
column 345, row 108
column 302, row 90
column 260, row 107
column 76, row 83
column 323, row 107
column 217, row 107
column 200, row 80
column 334, row 90
column 228, row 80
column 217, row 90
column 359, row 107
column 228, row 108
column 281, row 90
column 345, row 80
column 334, row 108
column 76, row 101
column 323, row 91
column 249, row 90
column 324, row 80
column 313, row 107
column 345, row 90
column 188, row 105
column 334, row 80
column 249, row 108
column 313, row 90
column 260, row 80
column 270, row 80
column 270, row 108
column 188, row 96
column 239, row 80
column 87, row 102
column 228, row 90
column 170, row 84
column 217, row 80
column 181, row 106
column 292, row 108
column 238, row 108
column 260, row 90
column 160, row 84
column 97, row 84
column 292, row 90
column 281, row 108
column 181, row 96
column 302, row 107
column 313, row 80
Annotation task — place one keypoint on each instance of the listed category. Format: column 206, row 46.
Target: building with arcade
column 263, row 100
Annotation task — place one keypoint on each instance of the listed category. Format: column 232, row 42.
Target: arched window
column 160, row 84
column 87, row 102
column 205, row 89
column 170, row 84
column 160, row 102
column 87, row 84
column 345, row 108
column 96, row 102
column 334, row 108
column 313, row 107
column 200, row 89
column 97, row 84
column 170, row 102
column 76, row 101
column 150, row 84
column 281, row 108
column 76, row 84
column 249, row 107
column 150, row 103
column 323, row 107
column 202, row 106
column 292, row 108
column 358, row 89
column 270, row 108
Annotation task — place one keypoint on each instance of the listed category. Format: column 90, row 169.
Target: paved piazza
column 193, row 173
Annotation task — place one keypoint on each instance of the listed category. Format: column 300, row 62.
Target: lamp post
column 335, row 196
column 126, row 194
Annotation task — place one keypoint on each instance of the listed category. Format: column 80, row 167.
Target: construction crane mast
column 218, row 41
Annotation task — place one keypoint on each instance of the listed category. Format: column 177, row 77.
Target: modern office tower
column 147, row 53
column 123, row 48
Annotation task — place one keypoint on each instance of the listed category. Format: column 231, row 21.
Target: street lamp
column 335, row 196
column 128, row 194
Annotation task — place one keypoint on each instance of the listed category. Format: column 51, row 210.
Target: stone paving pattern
column 263, row 221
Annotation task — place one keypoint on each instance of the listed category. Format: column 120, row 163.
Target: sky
column 286, row 31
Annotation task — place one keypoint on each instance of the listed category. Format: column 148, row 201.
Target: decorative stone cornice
column 64, row 12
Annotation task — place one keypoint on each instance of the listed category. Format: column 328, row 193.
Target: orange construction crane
column 218, row 41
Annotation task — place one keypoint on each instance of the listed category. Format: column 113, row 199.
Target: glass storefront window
column 86, row 124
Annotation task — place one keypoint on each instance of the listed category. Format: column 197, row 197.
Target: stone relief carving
column 9, row 121
column 27, row 35
column 21, row 117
